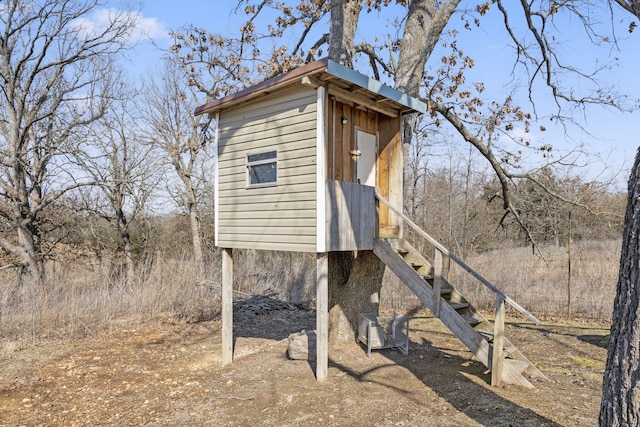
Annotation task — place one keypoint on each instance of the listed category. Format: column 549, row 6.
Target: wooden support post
column 497, row 358
column 437, row 282
column 322, row 316
column 227, row 306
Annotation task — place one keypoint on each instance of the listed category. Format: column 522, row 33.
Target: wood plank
column 227, row 306
column 350, row 216
column 338, row 149
column 497, row 356
column 389, row 132
column 437, row 282
column 347, row 146
column 361, row 100
column 331, row 142
column 322, row 316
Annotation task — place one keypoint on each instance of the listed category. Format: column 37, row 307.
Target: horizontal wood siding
column 281, row 217
column 351, row 216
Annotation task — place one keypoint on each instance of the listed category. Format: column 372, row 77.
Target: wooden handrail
column 457, row 260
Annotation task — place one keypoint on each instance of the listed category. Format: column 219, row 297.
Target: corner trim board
column 321, row 170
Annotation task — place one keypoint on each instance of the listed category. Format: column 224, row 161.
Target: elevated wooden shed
column 298, row 158
column 299, row 155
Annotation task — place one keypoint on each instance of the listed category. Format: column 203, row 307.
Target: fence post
column 437, row 282
column 497, row 358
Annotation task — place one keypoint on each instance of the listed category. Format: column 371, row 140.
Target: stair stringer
column 451, row 318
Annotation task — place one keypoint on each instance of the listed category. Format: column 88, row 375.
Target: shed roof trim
column 325, row 68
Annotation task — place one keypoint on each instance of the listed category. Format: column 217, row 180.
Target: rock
column 302, row 346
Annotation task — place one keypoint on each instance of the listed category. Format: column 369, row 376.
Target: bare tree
column 171, row 126
column 55, row 79
column 125, row 174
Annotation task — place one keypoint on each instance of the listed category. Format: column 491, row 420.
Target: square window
column 262, row 169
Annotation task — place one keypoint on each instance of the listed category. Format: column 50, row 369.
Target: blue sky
column 610, row 136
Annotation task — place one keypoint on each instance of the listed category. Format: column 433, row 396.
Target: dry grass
column 541, row 284
column 88, row 297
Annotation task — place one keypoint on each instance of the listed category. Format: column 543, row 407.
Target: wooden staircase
column 485, row 339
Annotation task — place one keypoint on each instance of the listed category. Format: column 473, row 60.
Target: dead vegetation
column 87, row 296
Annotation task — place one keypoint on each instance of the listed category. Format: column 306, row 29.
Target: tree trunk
column 28, row 252
column 185, row 173
column 421, row 33
column 355, row 278
column 342, row 31
column 620, row 404
column 355, row 281
column 123, row 228
column 196, row 239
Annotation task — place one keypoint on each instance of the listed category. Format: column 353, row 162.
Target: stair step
column 416, row 265
column 458, row 305
column 508, row 351
column 471, row 320
column 402, row 251
column 519, row 365
column 487, row 335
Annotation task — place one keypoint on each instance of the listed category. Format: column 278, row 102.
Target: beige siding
column 281, row 217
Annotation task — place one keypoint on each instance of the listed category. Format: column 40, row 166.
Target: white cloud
column 143, row 28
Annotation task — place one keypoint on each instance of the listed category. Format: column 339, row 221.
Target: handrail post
column 497, row 358
column 437, row 282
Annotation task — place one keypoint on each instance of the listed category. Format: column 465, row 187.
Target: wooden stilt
column 322, row 316
column 227, row 306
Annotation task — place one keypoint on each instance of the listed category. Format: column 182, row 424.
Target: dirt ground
column 169, row 374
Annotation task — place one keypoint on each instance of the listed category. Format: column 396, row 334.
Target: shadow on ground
column 453, row 385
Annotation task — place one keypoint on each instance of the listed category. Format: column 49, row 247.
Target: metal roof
column 343, row 83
